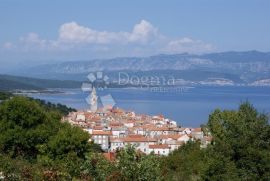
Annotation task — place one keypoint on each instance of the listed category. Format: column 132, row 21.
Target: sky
column 62, row 30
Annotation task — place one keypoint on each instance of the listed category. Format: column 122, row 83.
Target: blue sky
column 67, row 30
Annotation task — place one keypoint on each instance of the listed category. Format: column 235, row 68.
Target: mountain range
column 242, row 68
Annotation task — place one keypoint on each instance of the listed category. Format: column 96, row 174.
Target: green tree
column 242, row 137
column 186, row 163
column 96, row 167
column 24, row 125
column 137, row 166
column 34, row 136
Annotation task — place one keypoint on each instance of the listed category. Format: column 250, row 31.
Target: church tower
column 93, row 100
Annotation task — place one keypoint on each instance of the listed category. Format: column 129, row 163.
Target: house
column 197, row 133
column 101, row 138
column 166, row 138
column 140, row 142
column 160, row 149
column 80, row 117
column 175, row 144
column 118, row 131
column 116, row 143
column 205, row 141
column 186, row 130
column 185, row 138
column 157, row 131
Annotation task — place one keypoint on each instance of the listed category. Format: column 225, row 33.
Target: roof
column 160, row 129
column 115, row 123
column 172, row 136
column 101, row 132
column 97, row 127
column 175, row 143
column 116, row 140
column 161, row 146
column 197, row 130
column 139, row 139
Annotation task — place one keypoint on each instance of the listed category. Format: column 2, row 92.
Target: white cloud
column 143, row 32
column 187, row 45
column 143, row 38
column 75, row 33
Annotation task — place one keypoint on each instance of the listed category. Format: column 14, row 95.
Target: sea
column 188, row 106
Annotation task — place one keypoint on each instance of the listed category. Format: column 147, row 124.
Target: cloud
column 75, row 33
column 143, row 32
column 143, row 39
column 188, row 45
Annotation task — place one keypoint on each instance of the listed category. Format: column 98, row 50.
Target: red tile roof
column 196, row 129
column 98, row 127
column 139, row 139
column 172, row 136
column 101, row 133
column 161, row 146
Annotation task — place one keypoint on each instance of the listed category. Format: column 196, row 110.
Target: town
column 114, row 128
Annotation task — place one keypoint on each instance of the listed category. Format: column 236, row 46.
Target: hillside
column 9, row 83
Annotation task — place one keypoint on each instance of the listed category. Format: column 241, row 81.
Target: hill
column 9, row 83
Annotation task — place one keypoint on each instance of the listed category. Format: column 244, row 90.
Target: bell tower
column 93, row 100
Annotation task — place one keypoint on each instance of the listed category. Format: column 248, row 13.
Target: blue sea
column 189, row 106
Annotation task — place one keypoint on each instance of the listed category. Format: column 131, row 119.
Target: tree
column 23, row 125
column 5, row 95
column 96, row 167
column 240, row 149
column 34, row 136
column 242, row 136
column 186, row 163
column 137, row 166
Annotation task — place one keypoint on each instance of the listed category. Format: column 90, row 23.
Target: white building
column 116, row 143
column 162, row 149
column 140, row 143
column 101, row 138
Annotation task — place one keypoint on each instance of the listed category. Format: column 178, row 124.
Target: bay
column 187, row 106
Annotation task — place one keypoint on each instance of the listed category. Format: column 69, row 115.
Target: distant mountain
column 239, row 67
column 9, row 83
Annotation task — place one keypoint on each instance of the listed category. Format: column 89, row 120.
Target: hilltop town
column 113, row 128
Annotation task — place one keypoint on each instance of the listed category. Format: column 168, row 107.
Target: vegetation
column 5, row 95
column 240, row 149
column 48, row 106
column 10, row 83
column 33, row 136
column 35, row 145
